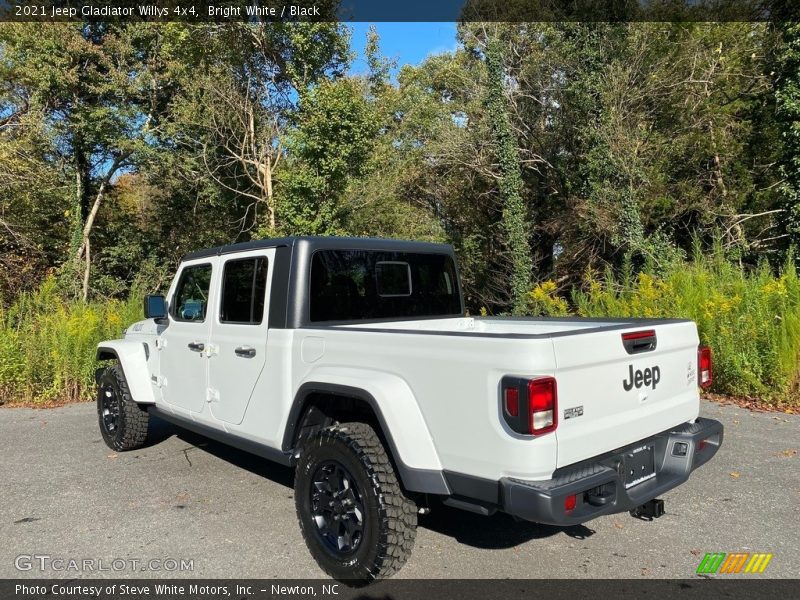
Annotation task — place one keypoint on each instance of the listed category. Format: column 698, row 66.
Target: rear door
column 185, row 340
column 614, row 391
column 239, row 332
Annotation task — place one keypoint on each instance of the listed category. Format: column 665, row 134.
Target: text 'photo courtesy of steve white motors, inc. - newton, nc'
column 283, row 11
column 210, row 590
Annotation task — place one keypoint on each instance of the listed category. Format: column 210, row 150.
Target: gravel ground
column 64, row 494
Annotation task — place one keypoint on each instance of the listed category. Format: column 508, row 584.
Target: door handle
column 197, row 346
column 245, row 351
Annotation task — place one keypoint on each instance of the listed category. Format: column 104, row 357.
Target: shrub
column 751, row 320
column 543, row 299
column 47, row 344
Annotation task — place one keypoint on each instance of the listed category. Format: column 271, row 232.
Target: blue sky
column 409, row 43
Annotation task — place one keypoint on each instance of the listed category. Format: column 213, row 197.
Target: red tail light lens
column 704, row 367
column 529, row 406
column 511, row 401
column 543, row 399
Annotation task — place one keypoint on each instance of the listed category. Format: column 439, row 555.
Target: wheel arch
column 316, row 400
column 132, row 357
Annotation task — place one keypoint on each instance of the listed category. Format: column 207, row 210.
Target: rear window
column 351, row 285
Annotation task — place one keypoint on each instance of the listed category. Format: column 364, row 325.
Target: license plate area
column 640, row 465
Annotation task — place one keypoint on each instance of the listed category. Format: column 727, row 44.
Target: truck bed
column 467, row 356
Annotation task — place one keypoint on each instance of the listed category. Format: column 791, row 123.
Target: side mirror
column 155, row 307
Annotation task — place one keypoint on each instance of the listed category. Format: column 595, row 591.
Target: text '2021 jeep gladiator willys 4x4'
column 352, row 360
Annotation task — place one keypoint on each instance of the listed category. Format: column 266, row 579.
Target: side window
column 244, row 286
column 191, row 296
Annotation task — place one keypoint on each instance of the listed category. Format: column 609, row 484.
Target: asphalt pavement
column 66, row 497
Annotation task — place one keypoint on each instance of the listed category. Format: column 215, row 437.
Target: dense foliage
column 47, row 344
column 541, row 151
column 751, row 320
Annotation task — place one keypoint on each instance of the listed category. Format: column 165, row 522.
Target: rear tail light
column 704, row 367
column 542, row 397
column 530, row 406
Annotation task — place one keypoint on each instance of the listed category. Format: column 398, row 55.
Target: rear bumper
column 599, row 484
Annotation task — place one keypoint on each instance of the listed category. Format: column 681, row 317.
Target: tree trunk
column 515, row 218
column 269, row 199
column 719, row 180
column 83, row 250
column 87, row 269
column 80, row 208
column 77, row 219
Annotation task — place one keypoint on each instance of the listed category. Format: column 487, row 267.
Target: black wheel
column 123, row 423
column 355, row 518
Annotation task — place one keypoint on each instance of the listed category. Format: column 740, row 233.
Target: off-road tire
column 390, row 518
column 130, row 425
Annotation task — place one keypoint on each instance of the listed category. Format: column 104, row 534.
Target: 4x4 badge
column 575, row 411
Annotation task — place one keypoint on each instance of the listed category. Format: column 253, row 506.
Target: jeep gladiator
column 353, row 360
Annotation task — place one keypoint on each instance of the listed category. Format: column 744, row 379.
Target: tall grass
column 751, row 320
column 47, row 344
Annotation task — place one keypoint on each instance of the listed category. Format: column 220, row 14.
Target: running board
column 278, row 456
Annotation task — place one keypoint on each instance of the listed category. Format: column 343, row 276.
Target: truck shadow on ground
column 496, row 532
column 159, row 431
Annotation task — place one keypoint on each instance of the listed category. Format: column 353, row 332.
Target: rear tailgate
column 608, row 397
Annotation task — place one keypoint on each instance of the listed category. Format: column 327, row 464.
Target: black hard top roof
column 325, row 242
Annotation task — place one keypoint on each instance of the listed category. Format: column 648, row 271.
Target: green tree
column 333, row 137
column 33, row 195
column 381, row 198
column 98, row 95
column 234, row 115
column 788, row 109
column 515, row 214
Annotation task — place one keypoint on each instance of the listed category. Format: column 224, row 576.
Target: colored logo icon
column 735, row 562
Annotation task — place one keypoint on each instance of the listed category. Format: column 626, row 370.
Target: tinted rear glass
column 349, row 285
column 244, row 283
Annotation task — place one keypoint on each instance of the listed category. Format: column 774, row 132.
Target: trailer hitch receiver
column 649, row 510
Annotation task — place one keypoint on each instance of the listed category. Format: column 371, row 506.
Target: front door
column 184, row 367
column 239, row 332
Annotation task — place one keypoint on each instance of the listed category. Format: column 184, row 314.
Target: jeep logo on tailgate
column 649, row 377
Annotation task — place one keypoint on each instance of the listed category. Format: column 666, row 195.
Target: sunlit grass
column 751, row 320
column 47, row 344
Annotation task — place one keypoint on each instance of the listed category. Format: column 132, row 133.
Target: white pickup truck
column 353, row 360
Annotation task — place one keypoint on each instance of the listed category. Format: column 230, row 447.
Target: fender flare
column 132, row 356
column 395, row 408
